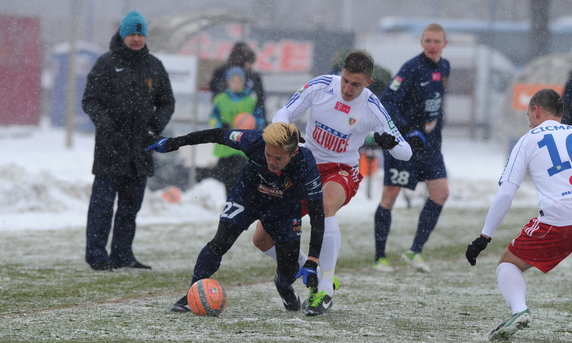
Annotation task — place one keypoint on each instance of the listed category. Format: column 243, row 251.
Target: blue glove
column 416, row 139
column 159, row 146
column 309, row 274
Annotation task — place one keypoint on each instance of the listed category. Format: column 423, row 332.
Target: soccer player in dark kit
column 277, row 176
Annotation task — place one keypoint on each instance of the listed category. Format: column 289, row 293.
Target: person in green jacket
column 229, row 107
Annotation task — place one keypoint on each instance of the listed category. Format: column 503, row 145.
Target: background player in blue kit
column 277, row 176
column 545, row 152
column 414, row 99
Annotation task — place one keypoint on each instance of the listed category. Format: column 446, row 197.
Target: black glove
column 416, row 139
column 475, row 248
column 385, row 140
column 309, row 274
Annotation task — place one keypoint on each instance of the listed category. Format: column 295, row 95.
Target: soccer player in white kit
column 343, row 113
column 545, row 152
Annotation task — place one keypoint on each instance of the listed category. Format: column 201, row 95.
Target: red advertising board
column 20, row 70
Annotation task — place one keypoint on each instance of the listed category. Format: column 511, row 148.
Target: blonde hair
column 283, row 135
column 435, row 27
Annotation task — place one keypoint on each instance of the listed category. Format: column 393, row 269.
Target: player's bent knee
column 440, row 198
column 389, row 196
column 261, row 239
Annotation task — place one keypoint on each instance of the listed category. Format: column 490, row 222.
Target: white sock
column 512, row 286
column 329, row 255
column 301, row 257
column 271, row 252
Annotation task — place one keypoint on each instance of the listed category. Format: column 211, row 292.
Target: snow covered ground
column 45, row 185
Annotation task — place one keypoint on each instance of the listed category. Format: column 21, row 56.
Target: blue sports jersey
column 273, row 198
column 300, row 179
column 415, row 97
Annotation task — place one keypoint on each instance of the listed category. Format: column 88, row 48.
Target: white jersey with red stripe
column 337, row 128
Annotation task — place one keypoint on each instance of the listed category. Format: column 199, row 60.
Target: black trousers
column 129, row 193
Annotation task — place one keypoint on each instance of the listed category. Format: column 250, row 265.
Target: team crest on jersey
column 396, row 83
column 352, row 121
column 436, row 76
column 303, row 88
column 287, row 183
column 235, row 136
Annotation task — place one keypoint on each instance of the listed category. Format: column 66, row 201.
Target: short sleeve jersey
column 300, row 179
column 337, row 128
column 546, row 152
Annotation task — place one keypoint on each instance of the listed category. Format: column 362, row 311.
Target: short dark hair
column 359, row 62
column 549, row 100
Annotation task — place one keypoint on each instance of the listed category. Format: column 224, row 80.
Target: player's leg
column 512, row 286
column 382, row 225
column 540, row 245
column 264, row 242
column 284, row 225
column 397, row 175
column 430, row 167
column 511, row 281
column 286, row 268
column 320, row 300
column 210, row 257
column 438, row 193
column 208, row 261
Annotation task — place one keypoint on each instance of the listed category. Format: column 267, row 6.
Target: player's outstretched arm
column 193, row 138
column 164, row 144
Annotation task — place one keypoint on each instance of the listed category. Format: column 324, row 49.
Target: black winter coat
column 129, row 99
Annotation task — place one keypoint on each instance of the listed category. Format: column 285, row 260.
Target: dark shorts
column 282, row 221
column 421, row 167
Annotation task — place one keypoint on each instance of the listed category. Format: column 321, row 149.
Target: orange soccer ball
column 172, row 194
column 207, row 297
column 244, row 121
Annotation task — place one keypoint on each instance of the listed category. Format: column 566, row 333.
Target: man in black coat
column 128, row 97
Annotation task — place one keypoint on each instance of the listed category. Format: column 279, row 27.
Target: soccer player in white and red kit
column 545, row 152
column 343, row 112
